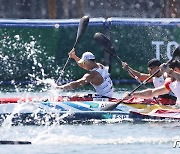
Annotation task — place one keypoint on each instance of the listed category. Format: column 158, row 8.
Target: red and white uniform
column 174, row 87
column 166, row 99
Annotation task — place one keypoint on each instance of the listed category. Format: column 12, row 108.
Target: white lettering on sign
column 157, row 44
column 169, row 47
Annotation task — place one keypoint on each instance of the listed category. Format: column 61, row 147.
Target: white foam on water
column 67, row 138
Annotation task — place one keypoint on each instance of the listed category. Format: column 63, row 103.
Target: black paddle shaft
column 108, row 46
column 176, row 54
column 81, row 29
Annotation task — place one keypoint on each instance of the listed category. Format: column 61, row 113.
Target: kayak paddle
column 81, row 29
column 108, row 46
column 106, row 43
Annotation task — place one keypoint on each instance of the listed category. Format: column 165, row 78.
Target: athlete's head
column 175, row 65
column 153, row 65
column 87, row 60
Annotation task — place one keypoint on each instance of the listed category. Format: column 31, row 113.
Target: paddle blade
column 110, row 107
column 105, row 42
column 14, row 142
column 81, row 28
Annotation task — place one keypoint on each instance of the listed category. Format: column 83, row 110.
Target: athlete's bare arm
column 93, row 77
column 141, row 76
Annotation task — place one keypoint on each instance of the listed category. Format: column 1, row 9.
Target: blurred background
column 65, row 9
column 36, row 36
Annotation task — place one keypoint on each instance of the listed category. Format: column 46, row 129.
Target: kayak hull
column 156, row 112
column 62, row 117
column 68, row 110
column 77, row 110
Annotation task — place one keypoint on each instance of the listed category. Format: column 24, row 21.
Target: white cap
column 86, row 56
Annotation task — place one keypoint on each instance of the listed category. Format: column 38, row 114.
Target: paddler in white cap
column 97, row 76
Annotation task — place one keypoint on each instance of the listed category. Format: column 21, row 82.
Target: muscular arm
column 72, row 55
column 141, row 76
column 76, row 58
column 93, row 77
column 149, row 93
column 173, row 73
column 76, row 84
column 135, row 74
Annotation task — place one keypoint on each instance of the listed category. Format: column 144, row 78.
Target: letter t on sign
column 158, row 44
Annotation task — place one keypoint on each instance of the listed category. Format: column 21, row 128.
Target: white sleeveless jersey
column 175, row 88
column 158, row 81
column 106, row 88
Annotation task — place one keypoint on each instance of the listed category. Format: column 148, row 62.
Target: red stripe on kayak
column 14, row 100
column 60, row 99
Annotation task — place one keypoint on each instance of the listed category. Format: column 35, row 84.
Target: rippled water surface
column 110, row 137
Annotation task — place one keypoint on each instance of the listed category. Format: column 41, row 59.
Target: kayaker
column 97, row 76
column 173, row 85
column 158, row 80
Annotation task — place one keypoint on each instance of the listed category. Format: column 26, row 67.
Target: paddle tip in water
column 14, row 142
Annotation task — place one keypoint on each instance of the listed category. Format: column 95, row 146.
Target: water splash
column 24, row 58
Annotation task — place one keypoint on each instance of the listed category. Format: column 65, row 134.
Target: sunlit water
column 110, row 137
